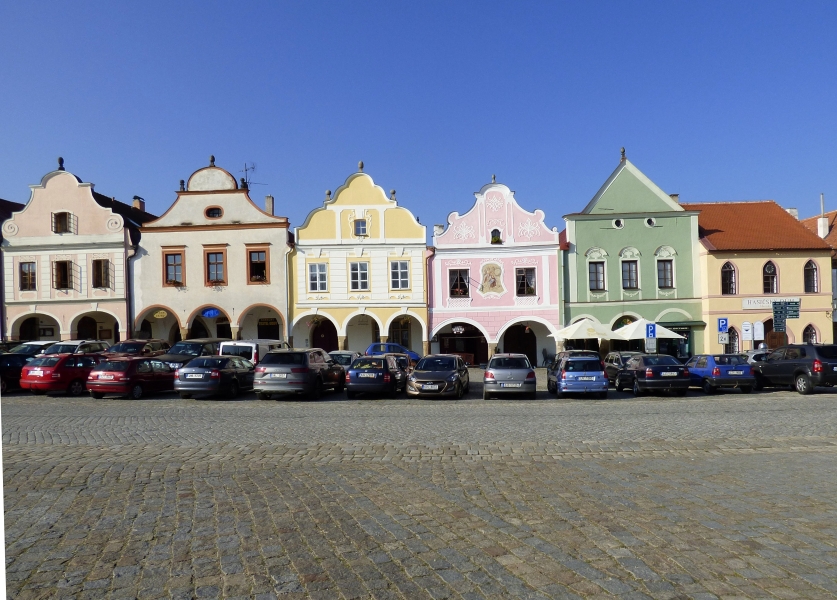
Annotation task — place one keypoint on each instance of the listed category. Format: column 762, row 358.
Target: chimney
column 675, row 197
column 794, row 212
column 822, row 222
column 438, row 229
column 139, row 203
column 268, row 204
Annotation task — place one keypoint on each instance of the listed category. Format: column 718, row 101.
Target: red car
column 131, row 377
column 58, row 373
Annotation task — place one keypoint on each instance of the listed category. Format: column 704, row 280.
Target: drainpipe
column 288, row 329
column 129, row 288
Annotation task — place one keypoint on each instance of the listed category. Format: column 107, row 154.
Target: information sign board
column 747, row 331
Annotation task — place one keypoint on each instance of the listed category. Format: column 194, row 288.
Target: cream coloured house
column 214, row 265
column 358, row 272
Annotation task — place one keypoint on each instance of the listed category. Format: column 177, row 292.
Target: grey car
column 213, row 375
column 439, row 375
column 509, row 374
column 306, row 371
column 345, row 357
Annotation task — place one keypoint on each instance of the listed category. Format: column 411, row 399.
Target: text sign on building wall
column 747, row 331
column 764, row 303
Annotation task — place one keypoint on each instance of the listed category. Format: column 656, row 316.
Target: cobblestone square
column 723, row 496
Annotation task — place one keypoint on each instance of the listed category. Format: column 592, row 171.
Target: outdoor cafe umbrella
column 585, row 329
column 636, row 331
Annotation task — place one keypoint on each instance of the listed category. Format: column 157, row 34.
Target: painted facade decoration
column 358, row 272
column 494, row 280
column 632, row 254
column 213, row 265
column 65, row 256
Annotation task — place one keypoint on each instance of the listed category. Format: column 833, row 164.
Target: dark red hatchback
column 58, row 373
column 132, row 377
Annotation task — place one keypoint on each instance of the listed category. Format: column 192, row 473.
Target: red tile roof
column 831, row 238
column 748, row 226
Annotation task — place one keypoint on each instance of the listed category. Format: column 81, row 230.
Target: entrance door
column 87, row 329
column 198, row 330
column 324, row 336
column 518, row 340
column 268, row 329
column 29, row 330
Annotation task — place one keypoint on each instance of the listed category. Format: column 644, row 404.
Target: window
column 215, row 267
column 359, row 275
column 214, row 212
column 495, row 237
column 629, row 275
column 665, row 273
column 728, row 279
column 809, row 335
column 525, row 279
column 62, row 274
column 27, row 277
column 459, row 282
column 597, row 277
column 733, row 346
column 101, row 273
column 811, row 279
column 360, row 227
column 257, row 266
column 771, row 282
column 174, row 268
column 62, row 222
column 317, row 281
column 400, row 275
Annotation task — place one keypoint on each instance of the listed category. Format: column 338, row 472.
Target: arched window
column 496, row 237
column 809, row 335
column 733, row 346
column 728, row 279
column 771, row 279
column 811, row 279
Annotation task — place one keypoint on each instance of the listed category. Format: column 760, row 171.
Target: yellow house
column 751, row 255
column 357, row 272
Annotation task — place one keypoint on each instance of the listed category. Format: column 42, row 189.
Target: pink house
column 493, row 280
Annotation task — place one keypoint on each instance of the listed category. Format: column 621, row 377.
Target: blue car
column 581, row 374
column 713, row 371
column 375, row 374
column 389, row 348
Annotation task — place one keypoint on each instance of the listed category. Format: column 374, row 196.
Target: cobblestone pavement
column 725, row 496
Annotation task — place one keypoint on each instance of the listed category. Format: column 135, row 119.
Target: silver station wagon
column 509, row 374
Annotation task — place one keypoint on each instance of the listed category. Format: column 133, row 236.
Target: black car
column 615, row 362
column 30, row 349
column 653, row 372
column 802, row 366
column 10, row 367
column 213, row 375
column 184, row 351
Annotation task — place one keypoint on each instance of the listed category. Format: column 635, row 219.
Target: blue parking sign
column 651, row 330
column 723, row 324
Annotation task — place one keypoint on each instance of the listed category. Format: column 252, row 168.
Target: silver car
column 306, row 371
column 509, row 374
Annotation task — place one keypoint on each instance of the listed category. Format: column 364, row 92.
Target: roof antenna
column 822, row 205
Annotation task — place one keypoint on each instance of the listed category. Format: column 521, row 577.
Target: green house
column 630, row 254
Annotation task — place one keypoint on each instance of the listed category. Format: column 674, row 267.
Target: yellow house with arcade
column 357, row 272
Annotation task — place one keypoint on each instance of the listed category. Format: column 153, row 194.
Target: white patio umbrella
column 585, row 329
column 636, row 331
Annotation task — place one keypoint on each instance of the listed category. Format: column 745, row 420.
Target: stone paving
column 726, row 496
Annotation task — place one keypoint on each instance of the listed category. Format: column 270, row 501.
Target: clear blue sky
column 713, row 100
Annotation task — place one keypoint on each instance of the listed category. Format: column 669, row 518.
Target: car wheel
column 618, row 384
column 340, row 386
column 184, row 396
column 317, row 391
column 458, row 393
column 3, row 386
column 233, row 393
column 262, row 396
column 708, row 388
column 485, row 394
column 467, row 386
column 746, row 389
column 350, row 395
column 759, row 383
column 97, row 395
column 76, row 387
column 803, row 384
column 637, row 391
column 549, row 387
column 136, row 392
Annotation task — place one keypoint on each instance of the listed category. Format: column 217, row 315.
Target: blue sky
column 713, row 100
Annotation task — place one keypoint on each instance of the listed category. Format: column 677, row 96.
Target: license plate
column 587, row 379
column 105, row 376
column 37, row 373
column 510, row 385
column 668, row 374
column 735, row 372
column 370, row 375
column 194, row 376
column 430, row 387
column 279, row 375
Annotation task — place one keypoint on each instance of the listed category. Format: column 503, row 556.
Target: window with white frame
column 28, row 277
column 728, row 286
column 400, row 274
column 597, row 276
column 665, row 273
column 771, row 280
column 459, row 279
column 101, row 273
column 630, row 275
column 811, row 280
column 317, row 277
column 359, row 276
column 525, row 280
column 360, row 227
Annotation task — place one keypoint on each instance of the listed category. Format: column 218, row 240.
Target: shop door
column 324, row 336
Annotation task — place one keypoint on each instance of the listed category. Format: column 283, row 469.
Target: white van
column 252, row 350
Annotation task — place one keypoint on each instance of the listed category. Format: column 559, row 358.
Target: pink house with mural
column 494, row 280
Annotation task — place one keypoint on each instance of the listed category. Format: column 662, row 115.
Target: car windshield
column 342, row 359
column 436, row 363
column 187, row 349
column 827, row 351
column 128, row 347
column 368, row 363
column 583, row 365
column 46, row 361
column 208, row 363
column 661, row 360
column 511, row 362
column 242, row 351
column 730, row 359
column 284, row 358
column 25, row 349
column 61, row 349
column 120, row 366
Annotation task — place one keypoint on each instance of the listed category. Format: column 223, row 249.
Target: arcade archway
column 463, row 339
